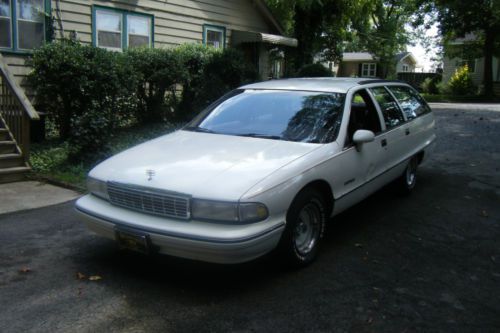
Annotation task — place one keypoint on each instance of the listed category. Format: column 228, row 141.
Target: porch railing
column 16, row 110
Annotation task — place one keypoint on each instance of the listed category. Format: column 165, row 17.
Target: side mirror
column 362, row 136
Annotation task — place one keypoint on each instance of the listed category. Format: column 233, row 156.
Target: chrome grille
column 149, row 201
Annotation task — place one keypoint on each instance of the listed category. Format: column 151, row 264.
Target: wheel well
column 324, row 188
column 420, row 157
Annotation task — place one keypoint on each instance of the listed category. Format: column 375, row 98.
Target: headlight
column 98, row 188
column 228, row 211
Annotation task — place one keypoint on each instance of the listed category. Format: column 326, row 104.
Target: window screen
column 30, row 23
column 5, row 24
column 109, row 29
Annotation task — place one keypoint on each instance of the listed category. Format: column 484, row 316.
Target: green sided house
column 117, row 25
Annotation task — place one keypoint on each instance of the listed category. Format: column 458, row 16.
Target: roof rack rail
column 379, row 81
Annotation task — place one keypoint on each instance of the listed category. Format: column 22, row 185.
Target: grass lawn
column 49, row 159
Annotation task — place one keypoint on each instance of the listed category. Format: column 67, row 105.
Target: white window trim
column 368, row 69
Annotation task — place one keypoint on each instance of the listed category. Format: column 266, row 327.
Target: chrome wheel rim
column 411, row 173
column 307, row 229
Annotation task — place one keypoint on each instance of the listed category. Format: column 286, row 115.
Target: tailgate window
column 411, row 102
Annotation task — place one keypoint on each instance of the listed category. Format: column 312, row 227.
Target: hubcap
column 307, row 230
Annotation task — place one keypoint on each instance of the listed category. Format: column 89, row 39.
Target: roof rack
column 379, row 81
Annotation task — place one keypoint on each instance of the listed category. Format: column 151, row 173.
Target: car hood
column 203, row 165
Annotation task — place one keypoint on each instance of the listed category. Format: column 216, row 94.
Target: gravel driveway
column 428, row 262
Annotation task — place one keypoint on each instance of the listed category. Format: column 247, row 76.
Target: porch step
column 4, row 134
column 8, row 175
column 11, row 161
column 7, row 147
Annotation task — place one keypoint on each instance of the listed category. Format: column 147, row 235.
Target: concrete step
column 11, row 160
column 4, row 134
column 8, row 175
column 7, row 147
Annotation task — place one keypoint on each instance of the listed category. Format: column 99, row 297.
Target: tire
column 406, row 183
column 305, row 225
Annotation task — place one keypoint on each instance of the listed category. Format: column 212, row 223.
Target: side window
column 364, row 115
column 390, row 110
column 412, row 103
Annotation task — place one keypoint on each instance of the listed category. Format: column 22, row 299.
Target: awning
column 240, row 37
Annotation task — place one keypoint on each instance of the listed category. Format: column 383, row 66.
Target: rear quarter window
column 390, row 109
column 411, row 102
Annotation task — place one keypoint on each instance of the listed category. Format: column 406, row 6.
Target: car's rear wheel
column 406, row 183
column 305, row 224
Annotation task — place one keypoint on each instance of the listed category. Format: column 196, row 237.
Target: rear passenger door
column 395, row 130
column 417, row 128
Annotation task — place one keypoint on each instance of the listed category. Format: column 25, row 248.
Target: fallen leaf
column 370, row 320
column 80, row 276
column 95, row 278
column 358, row 245
column 494, row 259
column 484, row 213
column 25, row 270
column 80, row 292
column 468, row 197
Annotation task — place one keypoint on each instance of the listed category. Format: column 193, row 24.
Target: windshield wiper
column 200, row 129
column 261, row 136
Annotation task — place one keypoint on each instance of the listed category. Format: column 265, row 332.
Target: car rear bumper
column 217, row 243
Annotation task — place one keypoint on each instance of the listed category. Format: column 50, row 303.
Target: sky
column 424, row 58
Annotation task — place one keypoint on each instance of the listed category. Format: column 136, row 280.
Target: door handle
column 383, row 142
column 407, row 131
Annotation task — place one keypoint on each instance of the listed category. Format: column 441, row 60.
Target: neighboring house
column 364, row 64
column 116, row 25
column 476, row 66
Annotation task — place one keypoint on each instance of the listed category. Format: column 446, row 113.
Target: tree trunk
column 488, row 62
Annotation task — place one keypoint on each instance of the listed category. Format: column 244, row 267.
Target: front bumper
column 211, row 242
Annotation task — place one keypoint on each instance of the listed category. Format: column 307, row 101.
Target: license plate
column 133, row 240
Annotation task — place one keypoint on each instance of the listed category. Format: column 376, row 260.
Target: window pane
column 288, row 115
column 108, row 21
column 138, row 25
column 214, row 38
column 109, row 39
column 138, row 41
column 31, row 10
column 411, row 102
column 5, row 33
column 392, row 115
column 30, row 34
column 5, row 8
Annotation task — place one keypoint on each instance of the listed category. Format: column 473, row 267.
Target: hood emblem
column 150, row 174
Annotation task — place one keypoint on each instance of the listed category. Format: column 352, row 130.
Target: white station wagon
column 261, row 169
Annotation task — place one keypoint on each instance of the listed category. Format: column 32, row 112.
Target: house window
column 369, row 70
column 118, row 29
column 406, row 68
column 214, row 36
column 22, row 24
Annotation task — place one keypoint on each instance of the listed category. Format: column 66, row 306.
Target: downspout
column 59, row 18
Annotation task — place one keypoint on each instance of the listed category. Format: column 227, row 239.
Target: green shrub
column 430, row 85
column 314, row 70
column 70, row 80
column 461, row 82
column 158, row 72
column 212, row 73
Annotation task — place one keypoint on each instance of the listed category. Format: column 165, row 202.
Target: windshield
column 300, row 116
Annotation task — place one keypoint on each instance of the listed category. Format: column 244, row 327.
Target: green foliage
column 461, row 82
column 314, row 70
column 71, row 80
column 89, row 92
column 158, row 71
column 212, row 73
column 430, row 85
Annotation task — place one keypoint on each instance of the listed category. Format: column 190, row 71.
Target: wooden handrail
column 17, row 92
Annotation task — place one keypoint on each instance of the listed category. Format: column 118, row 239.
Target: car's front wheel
column 305, row 224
